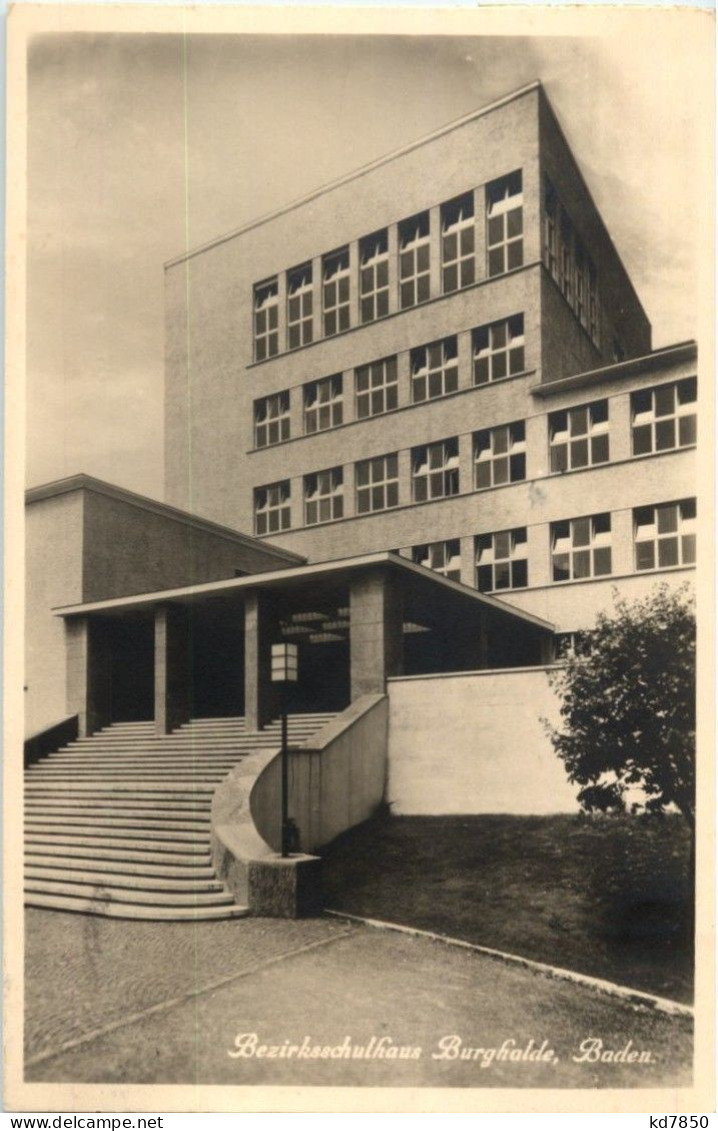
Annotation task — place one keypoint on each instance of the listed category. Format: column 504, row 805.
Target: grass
column 606, row 896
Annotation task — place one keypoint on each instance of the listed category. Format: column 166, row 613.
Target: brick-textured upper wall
column 209, row 296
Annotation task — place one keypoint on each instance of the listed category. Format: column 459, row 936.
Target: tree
column 628, row 706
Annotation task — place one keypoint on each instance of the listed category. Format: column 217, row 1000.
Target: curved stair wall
column 337, row 779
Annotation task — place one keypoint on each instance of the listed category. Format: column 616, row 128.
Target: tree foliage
column 628, row 706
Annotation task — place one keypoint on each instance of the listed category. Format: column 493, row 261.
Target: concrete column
column 296, row 502
column 172, row 668
column 404, row 468
column 435, row 251
column 296, row 411
column 537, row 461
column 260, row 698
column 403, row 373
column 539, row 554
column 376, row 642
column 350, row 502
column 622, row 550
column 88, row 674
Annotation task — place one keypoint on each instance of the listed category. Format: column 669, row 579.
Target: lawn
column 607, row 896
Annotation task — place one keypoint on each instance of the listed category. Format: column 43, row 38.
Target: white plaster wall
column 473, row 743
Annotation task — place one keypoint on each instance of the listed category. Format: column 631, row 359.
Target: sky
column 141, row 146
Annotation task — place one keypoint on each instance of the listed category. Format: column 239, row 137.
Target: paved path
column 164, row 1003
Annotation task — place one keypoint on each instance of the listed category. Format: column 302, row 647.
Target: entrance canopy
column 356, row 620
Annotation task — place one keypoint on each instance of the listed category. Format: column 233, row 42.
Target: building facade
column 440, row 355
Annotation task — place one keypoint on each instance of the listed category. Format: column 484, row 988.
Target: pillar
column 87, row 674
column 172, row 668
column 260, row 696
column 376, row 642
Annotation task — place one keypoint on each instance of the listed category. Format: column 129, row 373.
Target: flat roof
column 274, row 579
column 667, row 355
column 360, row 172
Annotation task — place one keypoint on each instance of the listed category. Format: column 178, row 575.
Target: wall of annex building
column 210, row 391
column 130, row 549
column 53, row 559
column 474, row 743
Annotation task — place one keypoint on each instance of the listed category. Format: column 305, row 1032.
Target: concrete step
column 100, row 805
column 131, row 880
column 137, row 896
column 154, row 844
column 136, row 855
column 115, row 820
column 99, row 789
column 127, row 832
column 117, row 865
column 132, row 910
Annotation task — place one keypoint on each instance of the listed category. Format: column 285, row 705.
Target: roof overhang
column 336, row 572
column 658, row 359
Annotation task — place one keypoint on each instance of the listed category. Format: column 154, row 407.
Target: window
column 594, row 322
column 272, row 508
column 323, row 404
column 505, row 224
column 266, row 320
column 501, row 560
column 271, row 419
column 414, row 260
column 500, row 455
column 335, row 291
column 300, row 301
column 665, row 535
column 581, row 283
column 566, row 260
column 665, row 417
column 376, row 388
column 434, row 370
column 457, row 243
column 581, row 547
column 551, row 230
column 499, row 350
column 435, row 470
column 374, row 276
column 377, row 483
column 323, row 496
column 578, row 437
column 442, row 557
column 578, row 643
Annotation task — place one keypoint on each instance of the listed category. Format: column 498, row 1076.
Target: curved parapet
column 336, row 781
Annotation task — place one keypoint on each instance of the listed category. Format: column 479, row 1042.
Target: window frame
column 655, row 420
column 440, row 372
column 460, row 227
column 570, row 440
column 384, row 486
column 445, row 569
column 515, row 561
column 513, row 349
column 387, row 390
column 328, row 488
column 303, row 296
column 281, row 418
column 417, row 247
column 330, row 406
column 374, row 270
column 513, row 454
column 579, row 551
column 684, row 535
column 336, row 292
column 445, row 474
column 265, row 340
column 281, row 507
column 504, row 200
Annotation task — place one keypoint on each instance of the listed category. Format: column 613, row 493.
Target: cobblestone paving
column 83, row 972
column 355, row 985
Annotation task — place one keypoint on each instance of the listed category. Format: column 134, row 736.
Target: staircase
column 118, row 824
